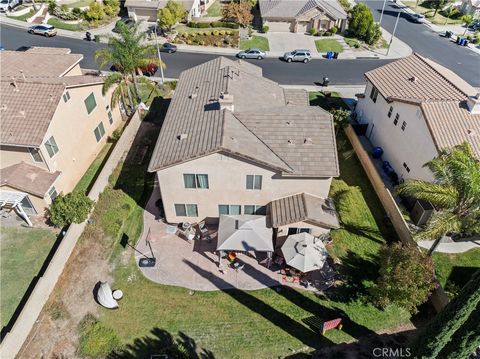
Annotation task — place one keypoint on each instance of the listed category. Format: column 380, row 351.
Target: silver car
column 298, row 55
column 251, row 54
column 45, row 30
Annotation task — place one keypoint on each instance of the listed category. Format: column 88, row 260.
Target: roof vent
column 471, row 132
column 473, row 103
column 4, row 107
column 193, row 95
column 289, row 123
column 307, row 141
column 226, row 101
column 14, row 85
column 413, row 79
column 182, row 137
column 291, row 142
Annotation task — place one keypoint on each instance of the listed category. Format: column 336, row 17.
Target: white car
column 8, row 5
column 418, row 18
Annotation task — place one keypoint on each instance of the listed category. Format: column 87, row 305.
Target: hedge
column 204, row 25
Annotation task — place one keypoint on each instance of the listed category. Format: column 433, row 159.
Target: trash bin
column 459, row 40
column 88, row 36
column 377, row 152
column 329, row 55
column 448, row 34
column 326, row 81
column 465, row 42
column 335, row 55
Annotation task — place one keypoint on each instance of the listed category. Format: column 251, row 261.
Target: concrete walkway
column 447, row 245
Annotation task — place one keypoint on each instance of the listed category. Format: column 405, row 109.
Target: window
column 293, row 230
column 90, row 103
column 395, row 121
column 66, row 96
column 229, row 209
column 186, row 210
column 404, row 125
column 254, row 209
column 254, row 182
column 406, row 167
column 195, row 181
column 52, row 193
column 35, row 152
column 99, row 131
column 390, row 112
column 374, row 94
column 51, row 147
column 110, row 117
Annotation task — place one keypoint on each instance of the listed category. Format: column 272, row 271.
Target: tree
column 455, row 193
column 340, row 118
column 71, row 208
column 95, row 12
column 362, row 24
column 449, row 12
column 406, row 277
column 441, row 329
column 467, row 21
column 128, row 53
column 240, row 12
column 172, row 13
column 438, row 5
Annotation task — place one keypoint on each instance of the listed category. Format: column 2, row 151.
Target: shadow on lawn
column 160, row 342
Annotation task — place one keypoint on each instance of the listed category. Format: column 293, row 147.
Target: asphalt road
column 426, row 42
column 340, row 72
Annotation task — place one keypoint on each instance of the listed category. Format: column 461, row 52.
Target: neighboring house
column 147, row 9
column 415, row 108
column 234, row 142
column 471, row 7
column 55, row 121
column 302, row 15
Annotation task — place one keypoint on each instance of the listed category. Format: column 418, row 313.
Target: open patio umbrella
column 304, row 252
column 105, row 296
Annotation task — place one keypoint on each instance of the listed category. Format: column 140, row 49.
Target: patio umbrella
column 304, row 252
column 105, row 297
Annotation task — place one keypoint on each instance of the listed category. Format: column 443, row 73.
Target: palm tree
column 455, row 193
column 129, row 54
column 122, row 89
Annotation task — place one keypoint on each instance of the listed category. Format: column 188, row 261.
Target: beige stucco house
column 471, row 7
column 415, row 108
column 233, row 142
column 147, row 10
column 302, row 15
column 55, row 120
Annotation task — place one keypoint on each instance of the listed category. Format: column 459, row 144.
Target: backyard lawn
column 23, row 251
column 326, row 45
column 256, row 41
column 215, row 9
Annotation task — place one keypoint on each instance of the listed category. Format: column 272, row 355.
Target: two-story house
column 55, row 120
column 415, row 108
column 234, row 142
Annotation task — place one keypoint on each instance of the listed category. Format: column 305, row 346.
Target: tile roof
column 441, row 95
column 28, row 178
column 294, row 8
column 49, row 50
column 303, row 207
column 187, row 4
column 295, row 139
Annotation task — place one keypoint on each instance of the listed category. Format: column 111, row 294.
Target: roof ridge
column 267, row 146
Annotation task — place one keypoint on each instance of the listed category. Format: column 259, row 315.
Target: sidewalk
column 347, row 92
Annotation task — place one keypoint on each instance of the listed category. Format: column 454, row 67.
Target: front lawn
column 81, row 3
column 421, row 7
column 23, row 17
column 326, row 45
column 215, row 9
column 256, row 41
column 59, row 24
column 23, row 251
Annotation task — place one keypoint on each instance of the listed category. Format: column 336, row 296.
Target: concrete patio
column 178, row 260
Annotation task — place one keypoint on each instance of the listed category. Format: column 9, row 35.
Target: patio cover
column 304, row 252
column 244, row 233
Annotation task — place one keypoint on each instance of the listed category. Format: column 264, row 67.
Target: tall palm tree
column 455, row 193
column 129, row 53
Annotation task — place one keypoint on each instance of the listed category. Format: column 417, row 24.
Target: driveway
column 281, row 42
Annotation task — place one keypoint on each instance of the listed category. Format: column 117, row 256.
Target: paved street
column 426, row 42
column 340, row 72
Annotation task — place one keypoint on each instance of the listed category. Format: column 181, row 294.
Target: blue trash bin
column 377, row 152
column 329, row 55
column 459, row 40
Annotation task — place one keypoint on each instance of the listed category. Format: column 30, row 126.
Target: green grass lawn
column 23, row 251
column 215, row 9
column 89, row 177
column 81, row 3
column 256, row 41
column 439, row 19
column 325, row 45
column 23, row 17
column 59, row 24
column 454, row 270
column 327, row 102
column 352, row 42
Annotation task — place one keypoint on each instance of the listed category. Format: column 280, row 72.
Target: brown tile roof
column 303, row 207
column 440, row 93
column 28, row 178
column 259, row 127
column 293, row 8
column 49, row 50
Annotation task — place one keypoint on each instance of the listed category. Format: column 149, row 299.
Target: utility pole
column 393, row 34
column 159, row 55
column 381, row 15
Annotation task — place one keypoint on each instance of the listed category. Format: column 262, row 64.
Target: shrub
column 189, row 42
column 71, row 208
column 116, row 134
column 312, row 31
column 334, row 30
column 95, row 12
column 476, row 41
column 215, row 32
column 345, row 4
column 327, row 33
column 356, row 45
column 77, row 12
column 96, row 339
column 265, row 29
column 222, row 32
column 199, row 25
column 52, row 7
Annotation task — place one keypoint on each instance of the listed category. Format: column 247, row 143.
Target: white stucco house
column 415, row 108
column 226, row 150
column 147, row 10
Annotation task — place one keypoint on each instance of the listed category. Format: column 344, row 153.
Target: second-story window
column 66, row 96
column 254, row 209
column 404, row 125
column 35, row 152
column 90, row 103
column 110, row 117
column 192, row 180
column 374, row 94
column 390, row 112
column 254, row 182
column 397, row 117
column 406, row 167
column 99, row 131
column 51, row 147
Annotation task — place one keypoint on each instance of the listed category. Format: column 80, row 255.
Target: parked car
column 252, row 54
column 8, row 5
column 149, row 70
column 127, row 21
column 298, row 55
column 475, row 26
column 168, row 47
column 45, row 30
column 418, row 18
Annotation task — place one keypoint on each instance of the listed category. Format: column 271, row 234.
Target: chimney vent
column 193, row 95
column 291, row 142
column 413, row 79
column 307, row 141
column 182, row 136
column 226, row 101
column 473, row 103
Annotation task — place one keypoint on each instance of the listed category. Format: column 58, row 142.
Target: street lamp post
column 381, row 15
column 393, row 33
column 159, row 55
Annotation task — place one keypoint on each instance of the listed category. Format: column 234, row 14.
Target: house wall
column 73, row 130
column 227, row 185
column 414, row 146
column 315, row 230
column 74, row 71
column 11, row 155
